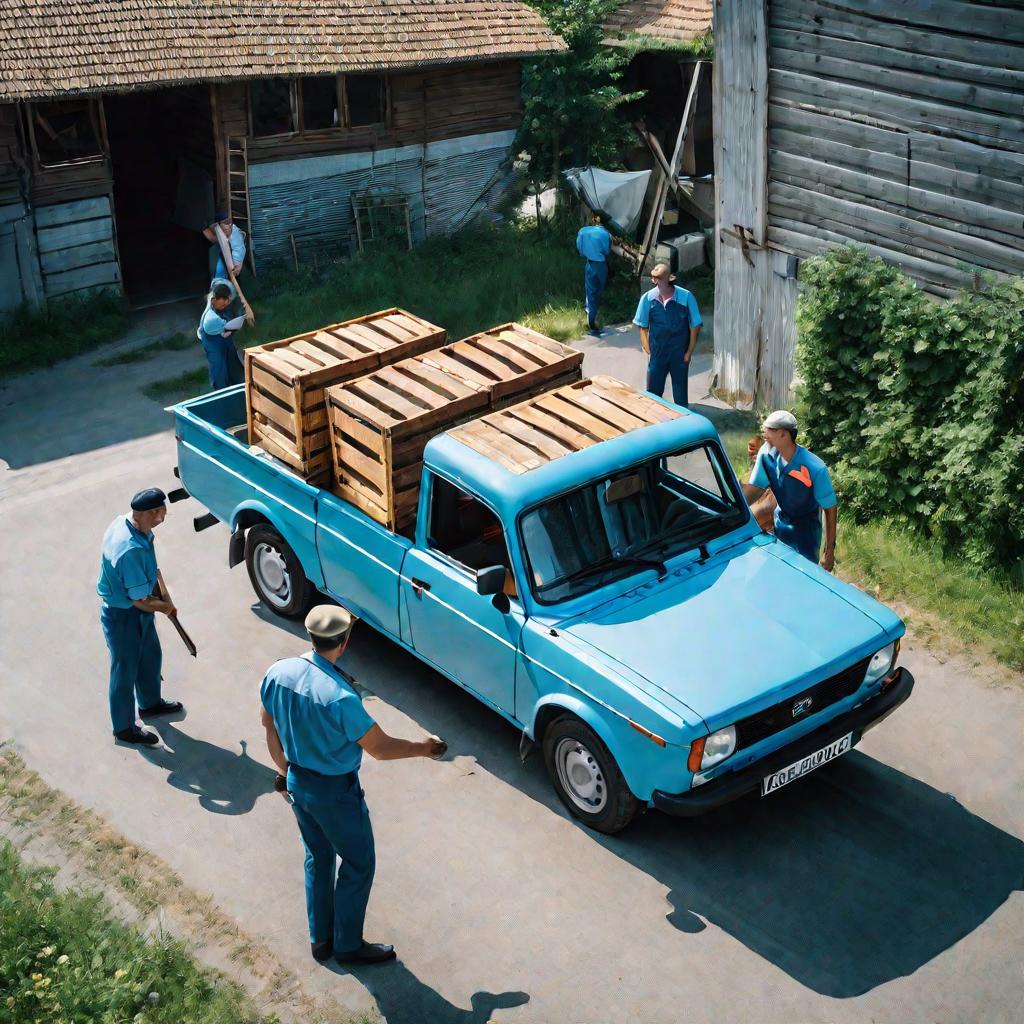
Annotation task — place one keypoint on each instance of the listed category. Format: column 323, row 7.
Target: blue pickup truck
column 618, row 605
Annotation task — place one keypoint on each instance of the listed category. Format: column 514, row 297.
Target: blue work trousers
column 802, row 533
column 135, row 660
column 334, row 822
column 666, row 359
column 595, row 277
column 224, row 363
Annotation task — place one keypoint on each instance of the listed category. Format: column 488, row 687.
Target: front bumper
column 732, row 785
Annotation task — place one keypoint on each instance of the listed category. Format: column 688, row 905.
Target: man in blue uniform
column 593, row 243
column 317, row 730
column 669, row 323
column 221, row 355
column 802, row 487
column 128, row 579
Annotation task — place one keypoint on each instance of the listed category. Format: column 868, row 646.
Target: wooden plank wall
column 11, row 155
column 76, row 247
column 893, row 124
column 904, row 134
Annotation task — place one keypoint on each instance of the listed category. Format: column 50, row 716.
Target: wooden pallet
column 560, row 422
column 285, row 381
column 381, row 423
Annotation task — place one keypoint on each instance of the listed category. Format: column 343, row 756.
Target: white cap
column 779, row 420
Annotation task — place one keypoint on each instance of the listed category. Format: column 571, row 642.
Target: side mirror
column 490, row 580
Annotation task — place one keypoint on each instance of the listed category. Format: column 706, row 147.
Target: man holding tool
column 127, row 581
column 317, row 730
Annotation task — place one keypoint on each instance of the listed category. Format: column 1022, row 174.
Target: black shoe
column 367, row 953
column 165, row 707
column 322, row 951
column 137, row 735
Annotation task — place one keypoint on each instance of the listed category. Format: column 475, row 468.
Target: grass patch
column 31, row 339
column 469, row 282
column 63, row 957
column 176, row 389
column 950, row 602
column 173, row 343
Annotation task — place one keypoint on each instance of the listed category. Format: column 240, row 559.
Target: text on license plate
column 806, row 764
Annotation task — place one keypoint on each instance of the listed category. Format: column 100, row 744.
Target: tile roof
column 668, row 20
column 60, row 47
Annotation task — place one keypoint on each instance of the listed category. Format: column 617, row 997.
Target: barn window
column 66, row 132
column 365, row 97
column 319, row 103
column 270, row 103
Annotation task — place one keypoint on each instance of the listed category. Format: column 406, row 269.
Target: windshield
column 629, row 522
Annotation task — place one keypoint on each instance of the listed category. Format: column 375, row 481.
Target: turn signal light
column 693, row 762
column 652, row 736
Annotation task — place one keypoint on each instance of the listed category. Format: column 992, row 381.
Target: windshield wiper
column 607, row 563
column 700, row 531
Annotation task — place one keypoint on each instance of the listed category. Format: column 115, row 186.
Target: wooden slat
column 372, row 469
column 518, row 355
column 345, row 397
column 539, row 347
column 411, row 388
column 315, row 353
column 282, row 417
column 479, row 360
column 535, row 439
column 443, row 361
column 371, row 338
column 579, row 418
column 331, row 342
column 506, row 451
column 552, row 425
column 395, row 330
column 394, row 404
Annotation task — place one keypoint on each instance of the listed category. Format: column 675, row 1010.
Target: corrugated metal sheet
column 445, row 187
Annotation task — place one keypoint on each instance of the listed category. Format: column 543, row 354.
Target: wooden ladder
column 238, row 193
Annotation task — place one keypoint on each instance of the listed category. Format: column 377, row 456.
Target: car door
column 470, row 637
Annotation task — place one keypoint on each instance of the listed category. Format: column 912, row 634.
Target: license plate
column 806, row 764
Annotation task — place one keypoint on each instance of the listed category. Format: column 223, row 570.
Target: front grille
column 780, row 716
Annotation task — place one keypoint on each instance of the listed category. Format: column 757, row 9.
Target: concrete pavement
column 884, row 888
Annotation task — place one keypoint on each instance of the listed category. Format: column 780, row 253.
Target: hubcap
column 272, row 573
column 581, row 776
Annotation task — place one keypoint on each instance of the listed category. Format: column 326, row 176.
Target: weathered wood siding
column 893, row 124
column 76, row 247
column 12, row 159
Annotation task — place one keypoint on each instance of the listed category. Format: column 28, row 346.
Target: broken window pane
column 319, row 103
column 65, row 131
column 365, row 95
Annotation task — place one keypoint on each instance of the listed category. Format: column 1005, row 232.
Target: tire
column 586, row 777
column 276, row 572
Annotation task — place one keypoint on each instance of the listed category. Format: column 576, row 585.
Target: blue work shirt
column 593, row 243
column 318, row 715
column 127, row 564
column 212, row 322
column 805, row 468
column 674, row 317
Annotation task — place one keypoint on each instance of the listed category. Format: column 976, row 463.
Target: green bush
column 917, row 405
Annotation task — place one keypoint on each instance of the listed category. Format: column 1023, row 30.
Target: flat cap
column 149, row 499
column 779, row 420
column 327, row 621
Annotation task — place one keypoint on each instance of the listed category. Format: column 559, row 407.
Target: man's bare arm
column 751, row 492
column 828, row 559
column 694, row 331
column 379, row 745
column 155, row 604
column 645, row 340
column 274, row 747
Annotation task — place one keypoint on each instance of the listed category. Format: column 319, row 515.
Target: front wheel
column 276, row 572
column 586, row 777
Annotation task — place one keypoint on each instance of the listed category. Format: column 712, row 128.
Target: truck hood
column 733, row 636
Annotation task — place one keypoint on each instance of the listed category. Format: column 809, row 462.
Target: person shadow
column 224, row 782
column 403, row 999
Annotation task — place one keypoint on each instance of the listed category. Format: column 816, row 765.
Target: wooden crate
column 560, row 422
column 285, row 381
column 381, row 423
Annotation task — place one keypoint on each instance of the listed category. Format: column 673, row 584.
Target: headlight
column 881, row 662
column 710, row 750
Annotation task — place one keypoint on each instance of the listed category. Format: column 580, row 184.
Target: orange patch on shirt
column 803, row 474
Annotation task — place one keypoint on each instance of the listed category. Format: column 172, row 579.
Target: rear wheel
column 276, row 572
column 586, row 777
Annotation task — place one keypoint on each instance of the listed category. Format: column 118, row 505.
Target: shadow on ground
column 403, row 999
column 857, row 876
column 224, row 781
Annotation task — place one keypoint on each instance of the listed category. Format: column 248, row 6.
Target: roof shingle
column 670, row 20
column 60, row 47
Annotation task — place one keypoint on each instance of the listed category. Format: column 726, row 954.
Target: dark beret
column 149, row 499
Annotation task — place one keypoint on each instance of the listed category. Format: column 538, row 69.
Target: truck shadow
column 859, row 875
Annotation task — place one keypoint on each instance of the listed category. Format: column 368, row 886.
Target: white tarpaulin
column 619, row 195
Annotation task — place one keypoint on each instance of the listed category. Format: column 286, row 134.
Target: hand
column 169, row 609
column 280, row 783
column 645, row 346
column 435, row 747
column 828, row 563
column 686, row 357
column 236, row 269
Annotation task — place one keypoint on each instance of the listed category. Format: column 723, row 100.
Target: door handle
column 419, row 585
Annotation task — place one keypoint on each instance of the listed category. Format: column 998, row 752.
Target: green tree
column 571, row 100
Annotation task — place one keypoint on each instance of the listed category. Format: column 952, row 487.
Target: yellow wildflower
column 120, row 973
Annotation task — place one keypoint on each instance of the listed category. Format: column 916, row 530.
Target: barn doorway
column 162, row 154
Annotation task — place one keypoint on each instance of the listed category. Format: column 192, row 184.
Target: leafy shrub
column 917, row 405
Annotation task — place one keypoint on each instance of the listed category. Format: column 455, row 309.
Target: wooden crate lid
column 407, row 397
column 354, row 346
column 507, row 358
column 560, row 422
